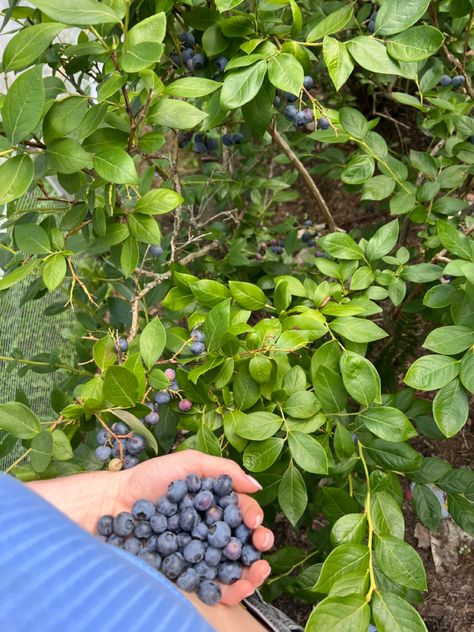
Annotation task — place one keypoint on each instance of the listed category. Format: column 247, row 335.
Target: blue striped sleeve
column 55, row 577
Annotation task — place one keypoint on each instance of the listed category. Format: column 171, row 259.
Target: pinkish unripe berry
column 170, row 374
column 185, row 405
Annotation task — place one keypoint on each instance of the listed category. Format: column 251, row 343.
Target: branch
column 320, row 201
column 178, row 214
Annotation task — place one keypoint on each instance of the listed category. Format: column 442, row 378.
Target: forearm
column 82, row 497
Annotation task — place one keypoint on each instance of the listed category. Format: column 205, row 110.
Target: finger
column 206, row 465
column 263, row 539
column 251, row 511
column 252, row 578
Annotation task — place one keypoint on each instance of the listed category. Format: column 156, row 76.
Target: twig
column 76, row 279
column 178, row 214
column 323, row 207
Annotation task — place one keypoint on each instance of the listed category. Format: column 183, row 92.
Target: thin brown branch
column 178, row 214
column 308, row 180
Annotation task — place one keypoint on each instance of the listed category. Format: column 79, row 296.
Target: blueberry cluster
column 229, row 140
column 198, row 346
column 302, row 118
column 125, row 447
column 188, row 56
column 455, row 82
column 371, row 24
column 194, row 535
column 308, row 236
column 164, row 397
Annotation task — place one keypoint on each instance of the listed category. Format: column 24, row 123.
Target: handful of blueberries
column 194, row 535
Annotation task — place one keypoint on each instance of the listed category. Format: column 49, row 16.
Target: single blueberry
column 105, row 526
column 115, row 540
column 203, row 500
column 457, row 81
column 188, row 501
column 197, row 348
column 222, row 485
column 200, row 531
column 243, row 533
column 208, row 572
column 233, row 549
column 156, row 250
column 173, row 523
column 143, row 509
column 230, row 499
column 166, row 507
column 188, row 519
column 306, row 236
column 187, row 38
column 213, row 514
column 193, row 481
column 233, row 516
column 290, row 112
column 291, row 98
column 308, row 222
column 174, row 386
column 183, row 539
column 119, row 428
column 116, row 452
column 300, row 119
column 167, row 543
column 237, row 138
column 103, row 436
column 198, row 61
column 371, row 26
column 212, row 556
column 162, row 397
column 188, row 580
column 249, row 554
column 187, row 54
column 122, row 344
column 158, row 523
column 219, row 534
column 200, row 148
column 173, row 565
column 150, row 543
column 124, row 524
column 445, row 81
column 103, row 452
column 175, row 58
column 207, row 483
column 211, row 144
column 221, row 63
column 309, row 114
column 130, row 461
column 194, row 552
column 323, row 123
column 152, row 558
column 308, row 82
column 277, row 102
column 177, row 490
column 136, row 444
column 227, row 140
column 209, row 592
column 132, row 545
column 229, row 572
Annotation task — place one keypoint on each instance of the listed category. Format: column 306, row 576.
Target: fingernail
column 266, row 575
column 258, row 520
column 254, row 482
column 266, row 544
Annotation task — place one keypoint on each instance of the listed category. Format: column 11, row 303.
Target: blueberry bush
column 170, row 134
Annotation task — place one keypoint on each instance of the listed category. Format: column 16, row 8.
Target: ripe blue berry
column 167, row 543
column 188, row 580
column 116, row 452
column 309, row 114
column 122, row 344
column 102, row 436
column 323, row 123
column 174, row 386
column 152, row 418
column 177, row 490
column 457, row 81
column 221, row 63
column 158, row 523
column 308, row 223
column 184, row 138
column 188, row 501
column 213, row 514
column 197, row 348
column 208, row 572
column 237, row 138
column 198, row 61
column 120, row 428
column 136, row 444
column 229, row 572
column 103, row 453
column 130, row 461
column 371, row 26
column 277, row 102
column 290, row 112
column 207, row 483
column 308, row 82
column 249, row 555
column 150, row 543
column 143, row 509
column 188, row 519
column 162, row 397
column 230, row 499
column 211, row 144
column 306, row 236
column 173, row 523
column 291, row 98
column 187, row 54
column 212, row 556
column 193, row 482
column 232, row 550
column 200, row 148
column 222, row 485
column 227, row 140
column 124, row 524
column 209, row 592
column 152, row 558
column 243, row 533
column 233, row 516
column 194, row 552
column 200, row 531
column 203, row 500
column 175, row 59
column 187, row 38
column 173, row 565
column 156, row 250
column 198, row 335
column 166, row 507
column 132, row 545
column 445, row 81
column 115, row 540
column 300, row 119
column 219, row 534
column 105, row 526
column 183, row 540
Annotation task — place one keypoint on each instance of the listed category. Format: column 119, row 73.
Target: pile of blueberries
column 132, row 445
column 455, row 82
column 301, row 118
column 194, row 535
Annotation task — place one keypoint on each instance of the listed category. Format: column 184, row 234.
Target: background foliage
column 325, row 351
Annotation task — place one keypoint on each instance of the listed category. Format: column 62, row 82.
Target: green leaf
column 292, row 494
column 415, row 44
column 104, row 352
column 84, row 14
column 387, row 517
column 54, row 271
column 120, row 386
column 449, row 340
column 362, row 278
column 227, row 5
column 247, row 295
column 343, row 443
column 399, row 561
column 62, row 450
column 422, row 272
column 242, row 86
column 345, row 558
column 360, row 378
column 451, row 408
column 260, row 368
column 32, row 239
column 286, row 73
column 259, row 456
column 383, row 241
column 357, row 329
column 349, row 528
column 301, row 405
column 136, row 426
column 67, row 156
column 387, row 423
column 28, row 44
column 427, row 506
column 393, row 614
column 246, row 390
column 152, row 29
column 340, row 614
column 207, row 442
column 341, row 246
column 332, row 23
column 358, row 170
column 176, row 114
column 23, row 106
column 258, row 426
column 329, row 389
column 209, row 292
column 399, row 457
column 467, row 371
column 294, row 380
column 338, row 61
column 372, row 55
column 397, row 15
column 431, row 372
column 307, row 452
column 64, row 117
column 216, row 325
column 41, row 451
column 462, row 512
column 16, row 175
column 129, row 256
column 18, row 420
column 192, row 87
column 152, row 342
column 454, row 241
column 378, row 188
column 115, row 165
column 354, row 123
column 137, row 57
column 158, row 202
column 19, row 274
column 144, row 228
